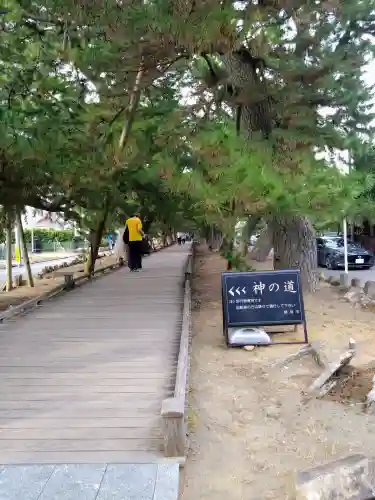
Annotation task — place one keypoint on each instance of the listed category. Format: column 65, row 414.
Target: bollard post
column 344, row 280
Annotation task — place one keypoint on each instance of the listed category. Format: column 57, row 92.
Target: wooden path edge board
column 174, row 410
column 63, row 288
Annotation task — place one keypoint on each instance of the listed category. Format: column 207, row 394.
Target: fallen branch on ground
column 313, row 349
column 320, row 386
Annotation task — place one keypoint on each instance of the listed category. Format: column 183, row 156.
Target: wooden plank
column 173, row 428
column 78, row 433
column 113, row 404
column 183, row 356
column 82, row 378
column 331, row 369
column 67, row 370
column 13, row 392
column 173, row 409
column 50, row 392
column 162, row 381
column 82, row 413
column 73, row 445
column 85, row 422
column 122, row 361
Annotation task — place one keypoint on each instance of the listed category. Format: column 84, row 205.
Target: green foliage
column 229, row 170
column 183, row 164
column 48, row 235
column 364, row 169
column 239, row 264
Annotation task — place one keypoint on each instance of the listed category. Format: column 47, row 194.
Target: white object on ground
column 248, row 336
column 120, row 247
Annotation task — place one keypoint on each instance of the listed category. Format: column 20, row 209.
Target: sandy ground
column 24, row 293
column 250, row 427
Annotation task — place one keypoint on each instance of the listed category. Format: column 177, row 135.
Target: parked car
column 331, row 254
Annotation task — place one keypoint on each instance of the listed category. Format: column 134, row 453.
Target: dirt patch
column 47, row 283
column 250, row 427
column 353, row 385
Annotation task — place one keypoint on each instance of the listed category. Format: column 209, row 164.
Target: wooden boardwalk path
column 83, row 376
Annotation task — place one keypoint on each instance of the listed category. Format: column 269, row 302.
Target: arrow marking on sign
column 238, row 291
column 231, row 291
column 243, row 290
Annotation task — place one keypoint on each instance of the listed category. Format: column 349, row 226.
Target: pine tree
column 295, row 60
column 277, row 66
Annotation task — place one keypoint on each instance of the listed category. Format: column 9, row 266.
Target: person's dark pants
column 135, row 255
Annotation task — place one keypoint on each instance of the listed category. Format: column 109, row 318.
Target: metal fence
column 49, row 246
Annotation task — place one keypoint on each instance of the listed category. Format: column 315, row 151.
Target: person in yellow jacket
column 135, row 236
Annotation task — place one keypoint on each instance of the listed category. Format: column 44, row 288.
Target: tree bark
column 293, row 236
column 227, row 250
column 96, row 236
column 263, row 246
column 294, row 247
column 247, row 232
column 130, row 112
column 9, row 262
column 30, row 279
column 214, row 238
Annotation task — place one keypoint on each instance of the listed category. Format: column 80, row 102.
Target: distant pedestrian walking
column 133, row 237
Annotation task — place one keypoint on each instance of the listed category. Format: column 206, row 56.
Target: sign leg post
column 306, row 338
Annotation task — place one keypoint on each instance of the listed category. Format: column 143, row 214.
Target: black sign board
column 266, row 298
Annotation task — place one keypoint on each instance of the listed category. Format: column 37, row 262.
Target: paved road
column 363, row 274
column 36, row 267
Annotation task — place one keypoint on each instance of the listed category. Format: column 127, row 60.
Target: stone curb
column 355, row 294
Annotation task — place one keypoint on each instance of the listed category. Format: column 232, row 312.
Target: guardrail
column 174, row 410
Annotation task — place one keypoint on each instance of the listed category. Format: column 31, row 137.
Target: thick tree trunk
column 30, row 279
column 214, row 238
column 227, row 251
column 96, row 236
column 294, row 246
column 147, row 223
column 243, row 248
column 263, row 246
column 9, row 278
column 247, row 232
column 293, row 236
